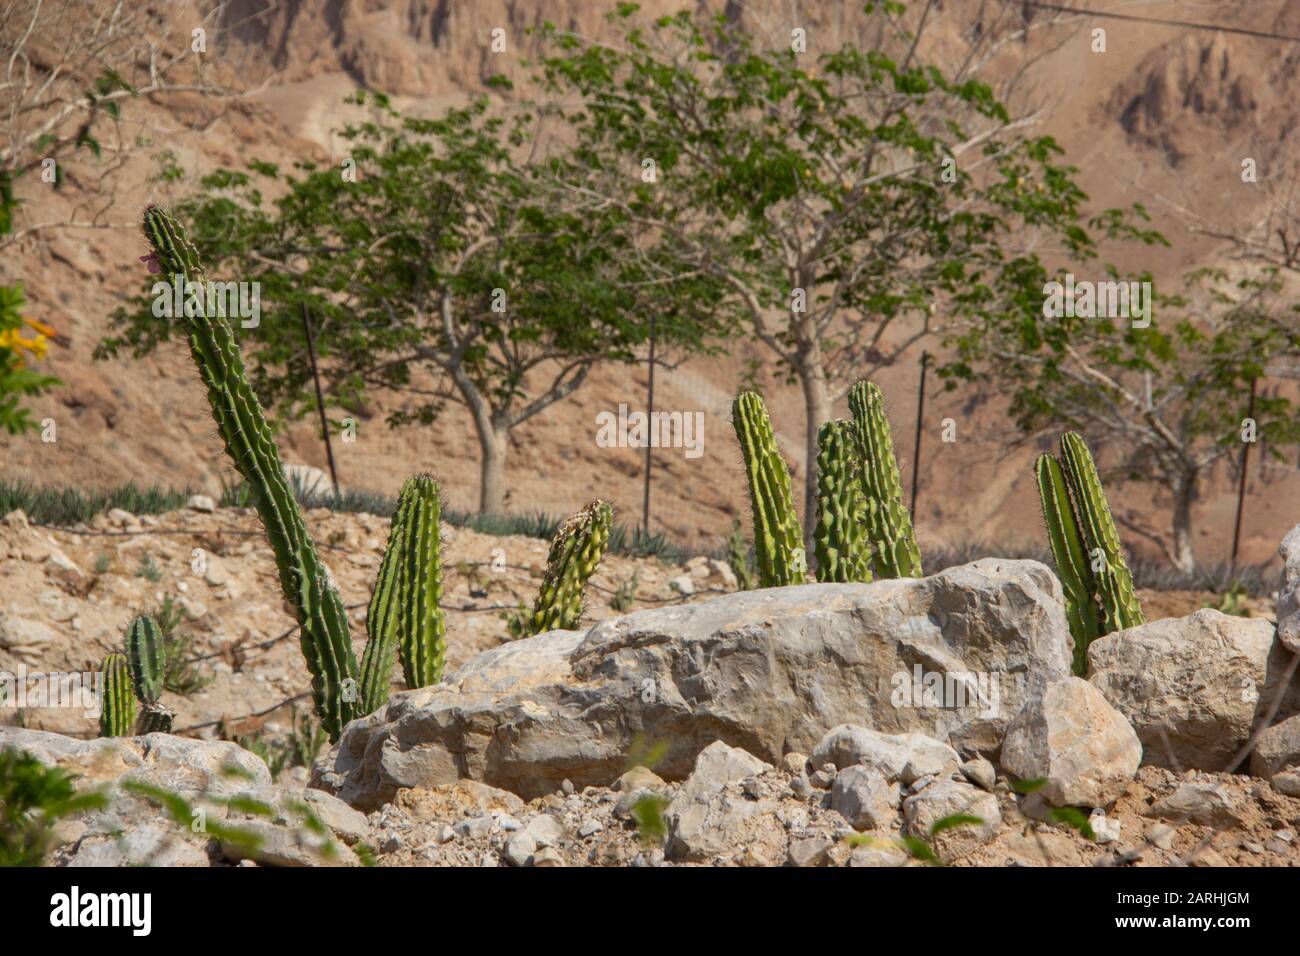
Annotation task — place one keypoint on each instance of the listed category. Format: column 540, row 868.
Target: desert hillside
column 1163, row 118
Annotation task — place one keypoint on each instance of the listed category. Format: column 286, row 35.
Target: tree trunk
column 493, row 444
column 1184, row 496
column 817, row 411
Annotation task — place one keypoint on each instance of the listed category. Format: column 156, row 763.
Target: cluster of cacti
column 136, row 675
column 895, row 553
column 840, row 540
column 405, row 614
column 323, row 627
column 778, row 538
column 863, row 528
column 575, row 552
column 1095, row 577
column 404, row 617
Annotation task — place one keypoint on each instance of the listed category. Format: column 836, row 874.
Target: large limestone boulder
column 1194, row 687
column 1081, row 746
column 952, row 656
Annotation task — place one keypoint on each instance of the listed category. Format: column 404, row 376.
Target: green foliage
column 842, row 549
column 1111, row 576
column 574, row 555
column 778, row 538
column 1070, row 554
column 117, row 699
column 625, row 594
column 180, row 675
column 33, row 797
column 280, row 752
column 1233, row 601
column 511, row 278
column 323, row 628
column 889, row 524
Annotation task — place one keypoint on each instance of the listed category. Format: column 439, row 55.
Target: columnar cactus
column 843, row 552
column 117, row 699
column 383, row 616
column 889, row 525
column 422, row 632
column 575, row 553
column 146, row 657
column 778, row 537
column 1111, row 576
column 1070, row 553
column 323, row 627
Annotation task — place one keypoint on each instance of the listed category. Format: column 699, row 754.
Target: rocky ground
column 70, row 593
column 787, row 726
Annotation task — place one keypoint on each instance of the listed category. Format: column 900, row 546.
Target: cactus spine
column 422, row 639
column 575, row 553
column 1071, row 556
column 146, row 657
column 843, row 552
column 889, row 525
column 778, row 537
column 323, row 628
column 1113, row 580
column 117, row 700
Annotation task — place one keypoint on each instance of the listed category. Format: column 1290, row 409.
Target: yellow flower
column 37, row 345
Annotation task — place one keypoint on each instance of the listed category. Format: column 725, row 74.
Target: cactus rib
column 422, row 633
column 778, row 536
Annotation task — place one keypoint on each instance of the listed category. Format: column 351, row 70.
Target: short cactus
column 383, row 616
column 889, row 524
column 323, row 626
column 146, row 656
column 117, row 699
column 778, row 537
column 841, row 546
column 575, row 553
column 1070, row 553
column 1111, row 575
column 147, row 659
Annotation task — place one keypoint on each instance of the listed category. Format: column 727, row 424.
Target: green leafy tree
column 852, row 201
column 442, row 272
column 1164, row 403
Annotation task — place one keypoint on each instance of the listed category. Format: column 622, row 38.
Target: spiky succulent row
column 323, row 627
column 117, row 700
column 778, row 538
column 1095, row 577
column 574, row 555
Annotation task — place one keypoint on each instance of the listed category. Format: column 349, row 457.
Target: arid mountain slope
column 1164, row 117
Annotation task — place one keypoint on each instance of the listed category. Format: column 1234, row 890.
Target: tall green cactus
column 575, row 553
column 889, row 524
column 146, row 656
column 1070, row 553
column 323, row 626
column 778, row 537
column 842, row 549
column 422, row 634
column 1111, row 575
column 117, row 699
